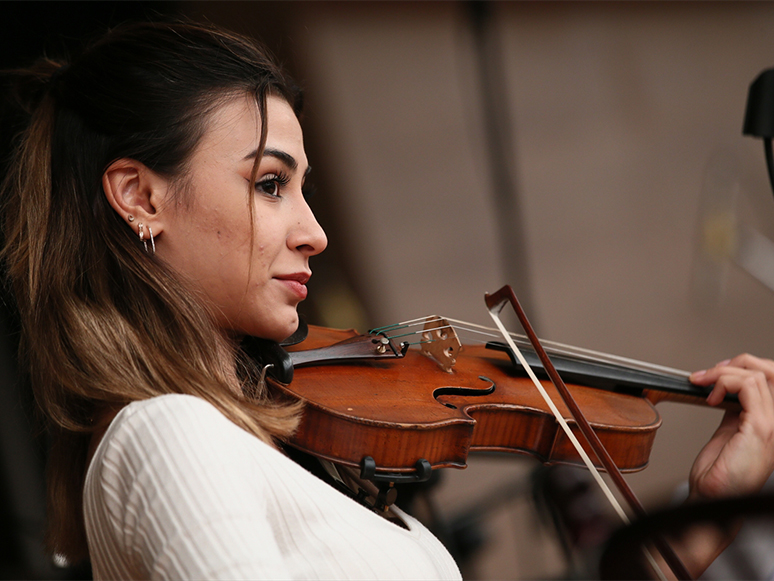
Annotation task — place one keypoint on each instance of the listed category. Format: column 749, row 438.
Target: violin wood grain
column 391, row 410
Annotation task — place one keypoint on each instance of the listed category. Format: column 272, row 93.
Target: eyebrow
column 284, row 157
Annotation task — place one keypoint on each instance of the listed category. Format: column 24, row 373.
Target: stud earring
column 130, row 218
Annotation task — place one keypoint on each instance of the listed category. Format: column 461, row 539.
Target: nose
column 307, row 236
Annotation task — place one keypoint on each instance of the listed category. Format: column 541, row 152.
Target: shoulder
column 171, row 477
column 177, row 447
column 177, row 408
column 174, row 433
column 178, row 419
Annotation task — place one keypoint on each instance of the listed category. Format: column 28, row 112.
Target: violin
column 395, row 412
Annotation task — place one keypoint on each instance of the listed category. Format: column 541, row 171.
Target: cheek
column 229, row 227
column 269, row 236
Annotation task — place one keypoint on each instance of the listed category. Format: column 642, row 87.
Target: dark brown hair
column 103, row 322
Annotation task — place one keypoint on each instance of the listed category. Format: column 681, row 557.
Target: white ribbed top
column 177, row 491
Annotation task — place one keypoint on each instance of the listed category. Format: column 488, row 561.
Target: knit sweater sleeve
column 170, row 496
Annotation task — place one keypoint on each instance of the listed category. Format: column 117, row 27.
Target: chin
column 279, row 330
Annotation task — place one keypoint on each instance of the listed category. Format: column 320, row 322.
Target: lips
column 295, row 283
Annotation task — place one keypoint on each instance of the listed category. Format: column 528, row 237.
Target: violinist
column 154, row 215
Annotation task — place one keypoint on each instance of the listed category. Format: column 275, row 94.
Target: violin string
column 403, row 325
column 421, row 332
column 555, row 348
column 551, row 347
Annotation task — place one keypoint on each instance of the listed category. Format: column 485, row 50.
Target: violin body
column 403, row 410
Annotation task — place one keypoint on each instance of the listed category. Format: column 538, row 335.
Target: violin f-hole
column 443, row 395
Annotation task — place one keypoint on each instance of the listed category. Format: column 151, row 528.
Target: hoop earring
column 142, row 237
column 153, row 244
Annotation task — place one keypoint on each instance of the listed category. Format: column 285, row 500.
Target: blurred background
column 589, row 154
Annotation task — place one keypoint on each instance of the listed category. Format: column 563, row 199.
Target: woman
column 154, row 215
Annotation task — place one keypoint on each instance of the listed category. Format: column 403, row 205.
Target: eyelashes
column 272, row 183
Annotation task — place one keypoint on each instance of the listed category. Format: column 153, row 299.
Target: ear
column 136, row 193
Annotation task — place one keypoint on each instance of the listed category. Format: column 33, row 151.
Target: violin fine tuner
column 381, row 343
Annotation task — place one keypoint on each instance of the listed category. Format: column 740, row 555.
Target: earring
column 130, row 218
column 153, row 244
column 142, row 237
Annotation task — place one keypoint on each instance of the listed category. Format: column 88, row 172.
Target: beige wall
column 617, row 111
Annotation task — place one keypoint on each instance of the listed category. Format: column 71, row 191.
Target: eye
column 271, row 184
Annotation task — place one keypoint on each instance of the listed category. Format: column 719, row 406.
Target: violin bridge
column 440, row 342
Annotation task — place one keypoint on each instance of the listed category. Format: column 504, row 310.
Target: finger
column 740, row 362
column 752, row 388
column 747, row 361
column 707, row 376
column 711, row 375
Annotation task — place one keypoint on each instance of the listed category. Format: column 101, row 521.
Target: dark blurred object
column 623, row 556
column 571, row 501
column 463, row 533
column 759, row 116
column 500, row 140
